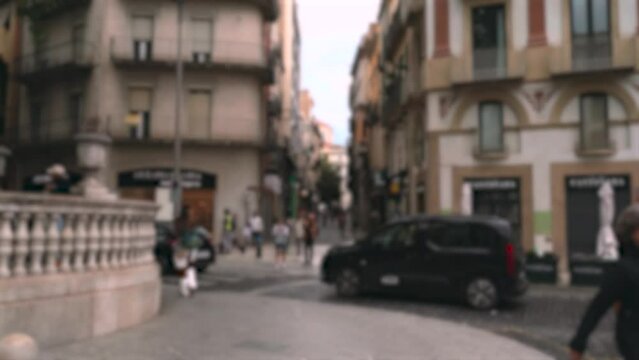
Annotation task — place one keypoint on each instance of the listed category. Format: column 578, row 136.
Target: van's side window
column 485, row 237
column 450, row 236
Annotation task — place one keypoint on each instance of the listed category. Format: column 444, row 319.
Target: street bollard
column 18, row 347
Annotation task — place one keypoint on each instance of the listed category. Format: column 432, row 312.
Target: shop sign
column 154, row 178
column 595, row 181
column 494, row 184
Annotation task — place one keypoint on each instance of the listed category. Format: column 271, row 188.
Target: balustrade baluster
column 21, row 243
column 93, row 242
column 53, row 242
column 80, row 243
column 106, row 239
column 6, row 239
column 67, row 243
column 37, row 247
column 125, row 241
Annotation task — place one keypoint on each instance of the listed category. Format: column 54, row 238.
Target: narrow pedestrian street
column 242, row 300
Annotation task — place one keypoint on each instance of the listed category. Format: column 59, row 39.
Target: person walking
column 619, row 289
column 310, row 233
column 190, row 239
column 229, row 228
column 257, row 229
column 298, row 233
column 281, row 235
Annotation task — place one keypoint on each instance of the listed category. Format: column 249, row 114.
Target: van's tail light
column 511, row 261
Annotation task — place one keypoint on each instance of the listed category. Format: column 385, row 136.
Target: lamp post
column 177, row 144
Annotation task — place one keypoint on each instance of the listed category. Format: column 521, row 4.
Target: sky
column 331, row 31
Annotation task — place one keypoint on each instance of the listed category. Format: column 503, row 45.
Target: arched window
column 593, row 112
column 491, row 127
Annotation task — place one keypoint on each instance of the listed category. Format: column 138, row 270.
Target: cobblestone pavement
column 545, row 319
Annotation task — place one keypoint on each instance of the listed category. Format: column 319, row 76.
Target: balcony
column 487, row 65
column 162, row 53
column 49, row 131
column 57, row 61
column 42, row 9
column 591, row 55
column 393, row 35
column 392, row 99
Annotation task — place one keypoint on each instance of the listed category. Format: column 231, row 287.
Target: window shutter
column 140, row 100
column 143, row 28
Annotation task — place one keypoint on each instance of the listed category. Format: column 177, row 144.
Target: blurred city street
column 249, row 309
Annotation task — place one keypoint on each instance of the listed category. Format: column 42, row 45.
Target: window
column 76, row 111
column 449, row 236
column 140, row 111
column 199, row 113
column 590, row 34
column 594, row 122
column 384, row 237
column 202, row 39
column 491, row 127
column 489, row 42
column 142, row 38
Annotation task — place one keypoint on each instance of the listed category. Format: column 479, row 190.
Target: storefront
column 583, row 221
column 498, row 197
column 155, row 184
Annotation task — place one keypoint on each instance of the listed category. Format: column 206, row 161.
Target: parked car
column 475, row 258
column 165, row 243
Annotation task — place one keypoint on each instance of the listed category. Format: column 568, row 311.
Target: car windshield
column 319, row 179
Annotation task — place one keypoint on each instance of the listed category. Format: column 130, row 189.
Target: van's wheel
column 347, row 283
column 482, row 294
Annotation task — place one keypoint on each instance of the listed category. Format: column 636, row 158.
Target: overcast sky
column 331, row 31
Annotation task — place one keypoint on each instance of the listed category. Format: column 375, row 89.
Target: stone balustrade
column 51, row 234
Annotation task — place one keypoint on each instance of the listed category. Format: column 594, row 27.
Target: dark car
column 474, row 258
column 165, row 243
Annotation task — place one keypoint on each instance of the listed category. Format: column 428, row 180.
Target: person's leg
column 259, row 246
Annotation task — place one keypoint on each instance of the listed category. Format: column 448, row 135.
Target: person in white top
column 281, row 233
column 257, row 229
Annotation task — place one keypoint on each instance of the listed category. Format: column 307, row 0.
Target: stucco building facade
column 109, row 66
column 533, row 105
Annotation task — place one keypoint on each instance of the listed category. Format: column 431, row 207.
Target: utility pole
column 179, row 98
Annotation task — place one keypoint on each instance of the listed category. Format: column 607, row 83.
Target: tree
column 328, row 184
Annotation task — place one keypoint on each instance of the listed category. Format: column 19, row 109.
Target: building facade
column 109, row 66
column 532, row 105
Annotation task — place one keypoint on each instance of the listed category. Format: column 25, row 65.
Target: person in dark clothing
column 620, row 289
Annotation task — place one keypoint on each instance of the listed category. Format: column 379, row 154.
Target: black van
column 473, row 257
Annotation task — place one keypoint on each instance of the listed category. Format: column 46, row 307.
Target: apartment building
column 284, row 107
column 529, row 107
column 532, row 104
column 367, row 148
column 109, row 66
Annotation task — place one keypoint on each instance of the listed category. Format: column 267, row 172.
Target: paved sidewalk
column 244, row 327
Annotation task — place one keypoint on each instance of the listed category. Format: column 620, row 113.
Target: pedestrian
column 257, row 228
column 299, row 232
column 58, row 180
column 619, row 289
column 228, row 231
column 247, row 236
column 281, row 235
column 310, row 233
column 190, row 239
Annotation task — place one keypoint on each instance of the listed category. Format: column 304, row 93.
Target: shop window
column 594, row 122
column 489, row 42
column 591, row 44
column 142, row 38
column 491, row 127
column 139, row 113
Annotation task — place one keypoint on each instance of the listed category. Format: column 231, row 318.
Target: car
column 165, row 243
column 475, row 258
